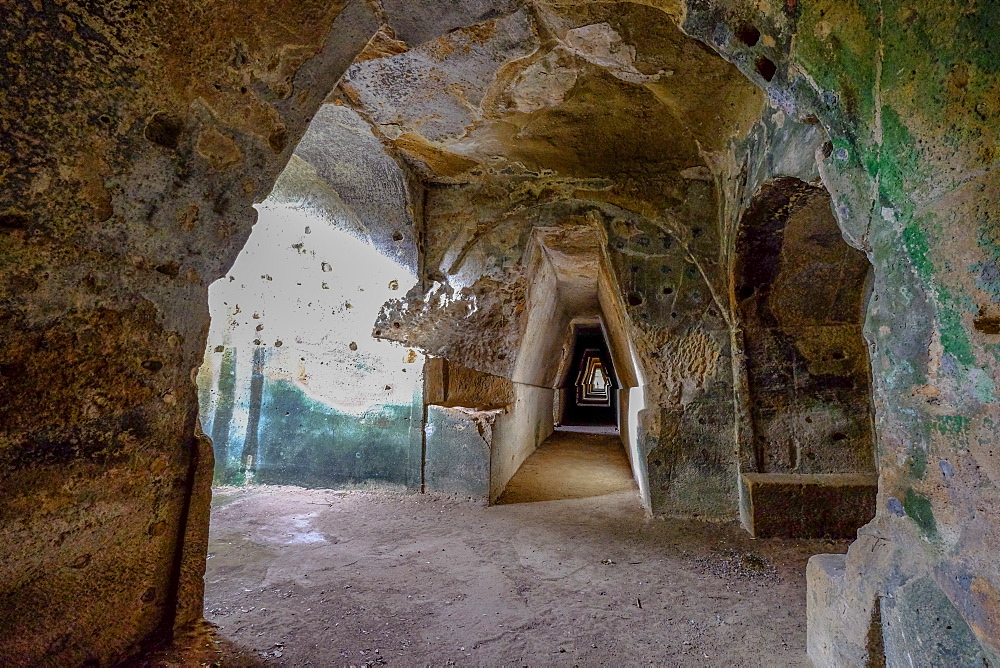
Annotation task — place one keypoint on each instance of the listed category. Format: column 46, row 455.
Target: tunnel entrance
column 589, row 389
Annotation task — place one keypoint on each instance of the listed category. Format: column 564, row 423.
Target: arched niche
column 800, row 295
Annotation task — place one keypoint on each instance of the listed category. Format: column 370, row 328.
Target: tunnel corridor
column 589, row 391
column 573, row 463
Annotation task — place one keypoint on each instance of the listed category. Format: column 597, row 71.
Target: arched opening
column 801, row 294
column 294, row 389
column 573, row 308
column 134, row 142
column 277, row 405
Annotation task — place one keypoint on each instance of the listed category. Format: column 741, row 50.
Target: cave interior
column 405, row 247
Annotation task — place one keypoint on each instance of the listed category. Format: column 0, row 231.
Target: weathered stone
column 133, row 142
column 921, row 626
column 458, row 450
column 790, row 505
column 104, row 291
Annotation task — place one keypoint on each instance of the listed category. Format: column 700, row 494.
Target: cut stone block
column 825, row 575
column 841, row 629
column 458, row 450
column 783, row 505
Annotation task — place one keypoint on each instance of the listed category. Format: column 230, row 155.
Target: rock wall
column 134, row 141
column 667, row 280
column 131, row 151
column 591, row 116
column 907, row 95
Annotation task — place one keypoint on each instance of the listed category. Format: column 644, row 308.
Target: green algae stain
column 918, row 463
column 898, row 160
column 917, row 247
column 977, row 35
column 951, row 425
column 835, row 40
column 954, row 338
column 302, row 441
column 223, row 417
column 954, row 335
column 918, row 508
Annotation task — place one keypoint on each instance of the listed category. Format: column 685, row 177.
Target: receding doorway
column 589, row 389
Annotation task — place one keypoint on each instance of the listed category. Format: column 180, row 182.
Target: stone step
column 788, row 505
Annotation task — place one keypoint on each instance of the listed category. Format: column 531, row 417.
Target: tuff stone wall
column 588, row 117
column 131, row 151
column 907, row 95
column 673, row 317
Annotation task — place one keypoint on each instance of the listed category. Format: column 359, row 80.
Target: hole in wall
column 748, row 34
column 152, row 365
column 164, row 129
column 987, row 324
column 765, row 68
column 14, row 221
column 278, row 139
column 171, row 269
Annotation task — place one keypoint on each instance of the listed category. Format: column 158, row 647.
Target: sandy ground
column 332, row 578
column 299, row 577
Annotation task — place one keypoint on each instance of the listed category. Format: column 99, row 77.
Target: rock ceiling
column 550, row 89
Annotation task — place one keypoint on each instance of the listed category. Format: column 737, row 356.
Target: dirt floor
column 333, row 578
column 299, row 577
